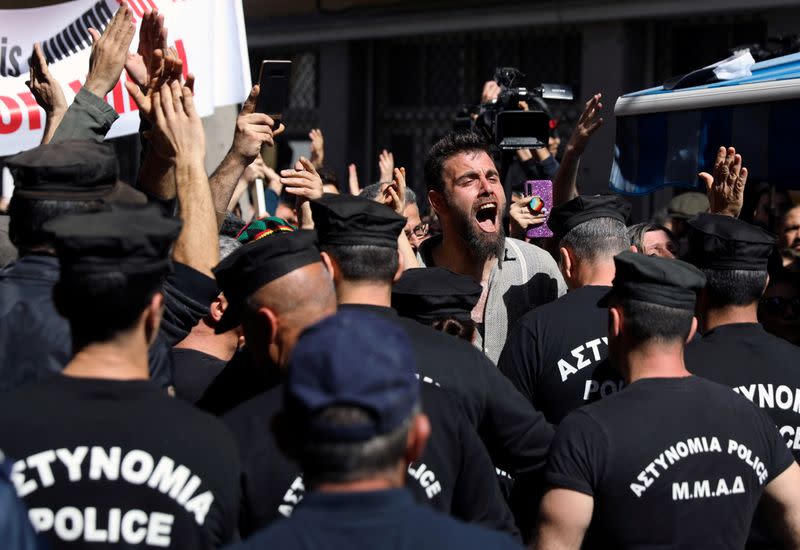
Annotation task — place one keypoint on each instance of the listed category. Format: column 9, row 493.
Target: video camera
column 503, row 123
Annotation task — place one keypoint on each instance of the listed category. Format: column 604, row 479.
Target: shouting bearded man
column 465, row 190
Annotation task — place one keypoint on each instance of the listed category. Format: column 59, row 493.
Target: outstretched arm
column 565, row 186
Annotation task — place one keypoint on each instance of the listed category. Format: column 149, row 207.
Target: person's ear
column 634, row 249
column 418, row 434
column 692, row 331
column 437, row 201
column 330, row 265
column 766, row 285
column 153, row 315
column 565, row 261
column 270, row 323
column 400, row 267
column 218, row 307
column 615, row 317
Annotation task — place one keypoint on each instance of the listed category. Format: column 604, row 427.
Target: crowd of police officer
column 175, row 376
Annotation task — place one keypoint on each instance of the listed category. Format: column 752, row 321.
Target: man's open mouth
column 486, row 216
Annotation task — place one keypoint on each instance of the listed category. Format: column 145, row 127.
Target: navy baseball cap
column 351, row 359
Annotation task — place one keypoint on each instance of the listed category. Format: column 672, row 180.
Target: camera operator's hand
column 522, row 218
column 491, row 90
column 109, row 52
column 725, row 188
column 352, row 179
column 317, row 147
column 588, row 123
column 386, row 164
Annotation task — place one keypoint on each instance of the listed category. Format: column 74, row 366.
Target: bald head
column 279, row 311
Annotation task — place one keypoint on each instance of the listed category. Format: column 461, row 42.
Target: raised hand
column 491, row 90
column 252, row 130
column 152, row 37
column 178, row 130
column 386, row 164
column 588, row 123
column 43, row 86
column 109, row 52
column 393, row 194
column 522, row 218
column 317, row 147
column 302, row 182
column 167, row 68
column 352, row 179
column 725, row 188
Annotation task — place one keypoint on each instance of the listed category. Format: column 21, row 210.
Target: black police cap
column 583, row 208
column 257, row 263
column 655, row 280
column 127, row 240
column 726, row 243
column 351, row 220
column 431, row 293
column 70, row 170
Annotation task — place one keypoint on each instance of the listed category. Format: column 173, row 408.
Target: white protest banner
column 208, row 35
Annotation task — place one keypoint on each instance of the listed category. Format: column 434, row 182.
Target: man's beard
column 482, row 245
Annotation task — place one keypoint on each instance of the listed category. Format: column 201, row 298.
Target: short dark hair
column 338, row 462
column 647, row 322
column 28, row 216
column 98, row 306
column 450, row 145
column 455, row 327
column 597, row 239
column 328, row 177
column 364, row 263
column 734, row 287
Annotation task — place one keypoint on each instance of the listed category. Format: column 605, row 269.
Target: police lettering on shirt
column 778, row 396
column 134, row 466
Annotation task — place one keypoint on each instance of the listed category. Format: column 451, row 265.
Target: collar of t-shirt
column 103, row 387
column 369, row 308
column 665, row 383
column 735, row 330
column 332, row 506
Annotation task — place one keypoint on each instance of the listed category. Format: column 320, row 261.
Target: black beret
column 726, row 243
column 431, row 293
column 127, row 240
column 351, row 220
column 584, row 208
column 70, row 170
column 655, row 280
column 257, row 263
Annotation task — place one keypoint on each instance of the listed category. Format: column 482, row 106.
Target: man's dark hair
column 734, row 287
column 27, row 216
column 597, row 239
column 328, row 177
column 99, row 306
column 364, row 263
column 455, row 327
column 451, row 144
column 338, row 462
column 646, row 322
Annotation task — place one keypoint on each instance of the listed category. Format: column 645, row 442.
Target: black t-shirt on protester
column 555, row 355
column 454, row 475
column 118, row 464
column 193, row 371
column 670, row 462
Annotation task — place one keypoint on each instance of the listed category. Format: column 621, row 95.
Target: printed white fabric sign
column 209, row 36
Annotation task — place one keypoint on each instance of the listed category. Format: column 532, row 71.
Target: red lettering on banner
column 34, row 117
column 116, row 93
column 182, row 55
column 76, row 86
column 16, row 116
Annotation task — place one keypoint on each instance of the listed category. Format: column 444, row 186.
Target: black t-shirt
column 241, row 379
column 516, row 436
column 193, row 371
column 670, row 462
column 454, row 475
column 761, row 367
column 118, row 464
column 554, row 354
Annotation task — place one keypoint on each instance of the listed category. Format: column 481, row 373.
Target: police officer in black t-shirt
column 555, row 354
column 103, row 457
column 672, row 460
column 735, row 350
column 351, row 418
column 454, row 475
column 358, row 241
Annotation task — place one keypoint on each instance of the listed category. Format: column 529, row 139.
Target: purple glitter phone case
column 543, row 189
